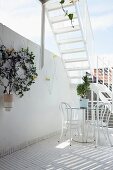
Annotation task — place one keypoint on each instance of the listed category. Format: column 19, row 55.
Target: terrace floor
column 49, row 155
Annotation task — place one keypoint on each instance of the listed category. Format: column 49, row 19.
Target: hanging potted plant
column 17, row 73
column 82, row 90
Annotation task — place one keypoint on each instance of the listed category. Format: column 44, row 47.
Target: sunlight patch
column 63, row 144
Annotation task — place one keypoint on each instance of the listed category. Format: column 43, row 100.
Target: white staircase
column 75, row 44
column 103, row 85
column 104, row 93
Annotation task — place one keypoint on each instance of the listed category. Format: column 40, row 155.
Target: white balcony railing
column 104, row 73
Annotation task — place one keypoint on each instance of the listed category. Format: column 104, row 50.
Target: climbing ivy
column 69, row 15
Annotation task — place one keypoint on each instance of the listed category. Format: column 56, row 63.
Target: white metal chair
column 100, row 122
column 92, row 121
column 103, row 118
column 69, row 122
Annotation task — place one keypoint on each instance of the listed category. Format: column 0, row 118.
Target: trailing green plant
column 83, row 88
column 17, row 70
column 66, row 12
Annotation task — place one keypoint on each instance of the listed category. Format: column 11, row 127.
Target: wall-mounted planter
column 8, row 101
column 47, row 78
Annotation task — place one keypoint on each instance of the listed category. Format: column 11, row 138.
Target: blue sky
column 23, row 16
column 101, row 14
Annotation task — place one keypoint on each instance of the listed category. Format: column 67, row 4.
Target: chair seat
column 73, row 122
column 102, row 124
column 95, row 123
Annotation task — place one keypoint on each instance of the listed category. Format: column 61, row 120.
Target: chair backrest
column 104, row 111
column 107, row 113
column 66, row 111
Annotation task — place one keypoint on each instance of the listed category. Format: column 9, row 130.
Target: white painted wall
column 36, row 114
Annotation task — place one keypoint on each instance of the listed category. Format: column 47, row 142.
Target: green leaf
column 71, row 1
column 62, row 1
column 70, row 16
column 82, row 89
column 22, row 59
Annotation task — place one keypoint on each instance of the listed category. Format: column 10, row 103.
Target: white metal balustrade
column 103, row 85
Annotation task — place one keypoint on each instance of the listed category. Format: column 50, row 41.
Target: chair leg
column 66, row 130
column 87, row 131
column 70, row 135
column 62, row 131
column 109, row 137
column 94, row 133
column 97, row 136
column 78, row 132
column 106, row 137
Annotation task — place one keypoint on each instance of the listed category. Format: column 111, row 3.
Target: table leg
column 83, row 127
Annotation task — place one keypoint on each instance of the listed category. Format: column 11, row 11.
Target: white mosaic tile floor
column 49, row 155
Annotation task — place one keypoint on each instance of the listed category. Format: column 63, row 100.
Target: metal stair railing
column 84, row 19
column 104, row 75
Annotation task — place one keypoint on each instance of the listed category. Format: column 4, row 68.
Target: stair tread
column 56, row 5
column 75, row 77
column 66, row 29
column 71, row 40
column 73, row 50
column 60, row 18
column 75, row 60
column 77, row 68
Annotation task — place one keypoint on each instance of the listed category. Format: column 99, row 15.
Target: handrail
column 84, row 20
column 105, row 75
column 104, row 63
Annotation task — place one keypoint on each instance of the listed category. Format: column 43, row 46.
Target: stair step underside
column 68, row 41
column 77, row 68
column 75, row 77
column 66, row 29
column 75, row 60
column 106, row 94
column 73, row 50
column 60, row 19
column 57, row 5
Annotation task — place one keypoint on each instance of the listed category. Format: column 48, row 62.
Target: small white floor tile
column 46, row 156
